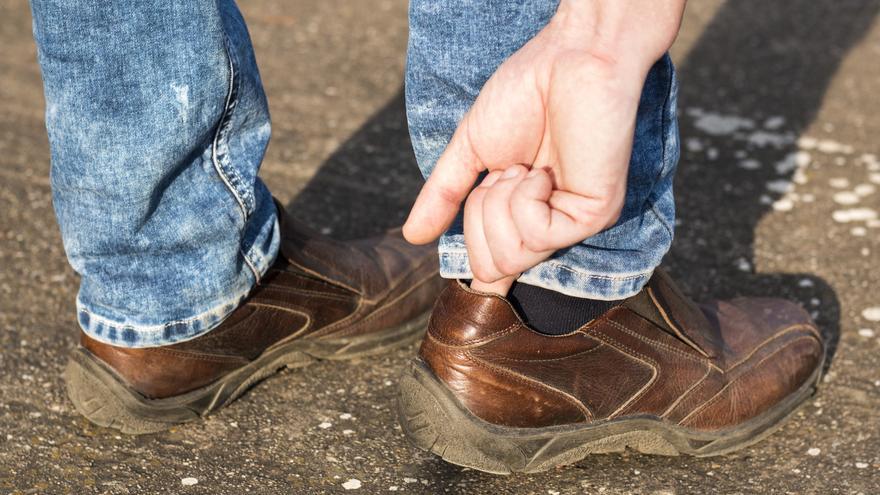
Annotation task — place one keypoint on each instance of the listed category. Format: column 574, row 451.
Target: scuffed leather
column 318, row 288
column 659, row 355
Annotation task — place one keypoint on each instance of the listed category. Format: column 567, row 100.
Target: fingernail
column 490, row 179
column 511, row 172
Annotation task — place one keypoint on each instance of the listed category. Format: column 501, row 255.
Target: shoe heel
column 433, row 423
column 100, row 398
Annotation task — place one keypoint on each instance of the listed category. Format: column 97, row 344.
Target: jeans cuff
column 259, row 251
column 556, row 275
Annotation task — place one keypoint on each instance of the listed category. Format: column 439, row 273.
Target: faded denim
column 454, row 46
column 157, row 125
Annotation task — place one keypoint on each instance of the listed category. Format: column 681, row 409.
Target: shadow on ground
column 743, row 64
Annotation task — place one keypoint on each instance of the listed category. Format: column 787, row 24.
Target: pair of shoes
column 320, row 300
column 656, row 373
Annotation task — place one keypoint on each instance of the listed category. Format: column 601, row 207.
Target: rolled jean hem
column 549, row 275
column 123, row 334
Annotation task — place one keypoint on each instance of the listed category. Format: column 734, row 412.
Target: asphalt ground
column 778, row 193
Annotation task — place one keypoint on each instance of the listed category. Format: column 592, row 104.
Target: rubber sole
column 100, row 395
column 435, row 421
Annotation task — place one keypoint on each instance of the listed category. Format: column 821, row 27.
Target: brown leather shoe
column 656, row 374
column 320, row 300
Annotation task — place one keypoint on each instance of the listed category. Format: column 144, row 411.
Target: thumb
column 449, row 184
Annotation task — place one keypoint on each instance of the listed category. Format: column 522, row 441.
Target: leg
column 195, row 283
column 452, row 52
column 655, row 373
column 157, row 124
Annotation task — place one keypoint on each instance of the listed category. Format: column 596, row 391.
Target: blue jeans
column 158, row 124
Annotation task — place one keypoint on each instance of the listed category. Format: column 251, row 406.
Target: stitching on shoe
column 216, row 358
column 362, row 302
column 473, row 343
column 381, row 311
column 658, row 344
column 687, row 392
column 601, row 344
column 531, row 381
column 305, row 292
column 780, row 333
column 668, row 319
column 720, row 393
column 637, row 356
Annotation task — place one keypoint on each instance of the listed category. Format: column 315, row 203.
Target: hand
column 560, row 106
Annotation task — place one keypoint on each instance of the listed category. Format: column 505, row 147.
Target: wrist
column 628, row 35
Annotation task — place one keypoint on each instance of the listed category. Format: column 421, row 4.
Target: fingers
column 502, row 236
column 479, row 256
column 549, row 219
column 448, row 185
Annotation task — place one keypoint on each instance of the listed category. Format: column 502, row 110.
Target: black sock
column 552, row 312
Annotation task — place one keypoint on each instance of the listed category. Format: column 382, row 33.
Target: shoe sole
column 435, row 421
column 104, row 398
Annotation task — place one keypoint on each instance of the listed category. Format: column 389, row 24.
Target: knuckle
column 480, row 272
column 507, row 266
column 536, row 243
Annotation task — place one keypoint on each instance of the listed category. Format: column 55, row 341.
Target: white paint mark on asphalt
column 763, row 139
column 806, row 143
column 188, row 481
column 829, row 146
column 774, row 122
column 784, row 204
column 352, row 484
column 750, row 164
column 780, row 186
column 693, row 145
column 839, row 182
column 865, row 189
column 712, row 154
column 871, row 314
column 846, row 198
column 854, row 215
column 717, row 124
column 813, row 451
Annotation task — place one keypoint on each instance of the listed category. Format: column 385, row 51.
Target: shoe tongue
column 663, row 303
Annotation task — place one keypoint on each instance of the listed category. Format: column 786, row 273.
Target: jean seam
column 663, row 116
column 227, row 175
column 220, row 159
column 662, row 220
column 664, row 127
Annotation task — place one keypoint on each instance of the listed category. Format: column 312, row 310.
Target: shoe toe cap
column 773, row 351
